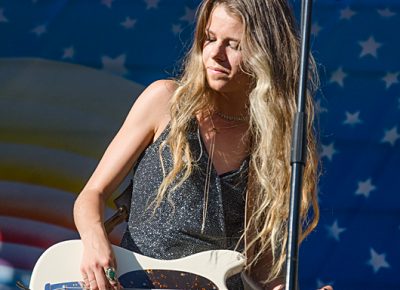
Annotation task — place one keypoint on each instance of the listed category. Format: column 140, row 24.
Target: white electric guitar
column 58, row 268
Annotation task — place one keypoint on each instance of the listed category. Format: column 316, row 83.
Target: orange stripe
column 42, row 176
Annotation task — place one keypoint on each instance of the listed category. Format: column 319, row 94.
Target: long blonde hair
column 270, row 49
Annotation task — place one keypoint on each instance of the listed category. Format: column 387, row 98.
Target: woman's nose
column 218, row 51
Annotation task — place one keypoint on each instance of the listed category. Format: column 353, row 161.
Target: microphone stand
column 298, row 152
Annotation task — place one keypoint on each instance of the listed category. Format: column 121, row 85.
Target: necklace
column 208, row 173
column 214, row 130
column 239, row 118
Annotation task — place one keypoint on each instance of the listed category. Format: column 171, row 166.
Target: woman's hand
column 97, row 259
column 98, row 255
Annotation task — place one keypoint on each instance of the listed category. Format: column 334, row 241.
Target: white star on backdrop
column 152, row 4
column 114, row 65
column 377, row 261
column 365, row 187
column 386, row 12
column 352, row 119
column 176, row 28
column 338, row 77
column 2, row 17
column 391, row 79
column 369, row 47
column 328, row 151
column 39, row 30
column 69, row 52
column 319, row 108
column 391, row 136
column 344, row 102
column 334, row 230
column 316, row 29
column 189, row 15
column 128, row 23
column 347, row 13
column 107, row 3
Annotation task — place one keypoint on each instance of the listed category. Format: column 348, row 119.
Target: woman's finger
column 102, row 282
column 91, row 281
column 85, row 280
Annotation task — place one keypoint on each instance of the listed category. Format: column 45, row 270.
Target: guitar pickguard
column 165, row 279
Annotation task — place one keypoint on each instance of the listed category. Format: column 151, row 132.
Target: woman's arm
column 144, row 123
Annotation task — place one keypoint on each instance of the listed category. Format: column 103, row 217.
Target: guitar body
column 58, row 268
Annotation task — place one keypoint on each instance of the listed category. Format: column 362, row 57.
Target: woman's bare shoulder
column 154, row 104
column 160, row 90
column 155, row 97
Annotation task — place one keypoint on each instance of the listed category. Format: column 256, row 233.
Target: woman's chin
column 219, row 86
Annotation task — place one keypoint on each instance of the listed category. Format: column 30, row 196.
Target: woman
column 209, row 147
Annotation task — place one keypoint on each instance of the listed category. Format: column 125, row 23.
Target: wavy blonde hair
column 270, row 48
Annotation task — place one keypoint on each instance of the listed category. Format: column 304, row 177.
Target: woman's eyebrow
column 209, row 31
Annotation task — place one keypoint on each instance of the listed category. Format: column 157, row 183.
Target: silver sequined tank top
column 174, row 230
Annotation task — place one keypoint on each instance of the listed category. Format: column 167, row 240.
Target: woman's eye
column 234, row 45
column 208, row 38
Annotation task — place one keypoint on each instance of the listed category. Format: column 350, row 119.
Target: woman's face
column 222, row 56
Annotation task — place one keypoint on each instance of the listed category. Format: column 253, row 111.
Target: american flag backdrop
column 70, row 70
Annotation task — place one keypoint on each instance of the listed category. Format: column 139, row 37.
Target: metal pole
column 298, row 152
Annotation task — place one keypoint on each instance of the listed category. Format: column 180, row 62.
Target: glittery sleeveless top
column 174, row 229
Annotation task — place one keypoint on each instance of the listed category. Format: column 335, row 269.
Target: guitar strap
column 123, row 205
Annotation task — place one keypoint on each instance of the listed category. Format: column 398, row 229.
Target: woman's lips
column 215, row 70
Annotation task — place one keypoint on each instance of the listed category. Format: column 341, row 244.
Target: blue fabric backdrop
column 70, row 70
